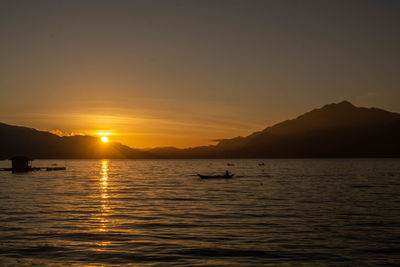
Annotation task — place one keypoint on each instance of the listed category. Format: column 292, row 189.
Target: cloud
column 61, row 133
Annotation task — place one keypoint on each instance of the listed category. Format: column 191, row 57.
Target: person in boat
column 227, row 173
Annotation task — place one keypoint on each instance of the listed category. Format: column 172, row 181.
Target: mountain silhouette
column 335, row 130
column 17, row 140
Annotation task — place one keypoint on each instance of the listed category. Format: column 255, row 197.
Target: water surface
column 158, row 212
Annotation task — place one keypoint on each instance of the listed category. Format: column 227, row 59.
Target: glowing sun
column 104, row 139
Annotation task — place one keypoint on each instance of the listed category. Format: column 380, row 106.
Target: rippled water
column 157, row 212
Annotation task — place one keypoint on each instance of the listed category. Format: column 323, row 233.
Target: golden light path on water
column 105, row 208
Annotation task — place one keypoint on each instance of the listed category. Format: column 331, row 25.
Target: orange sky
column 183, row 73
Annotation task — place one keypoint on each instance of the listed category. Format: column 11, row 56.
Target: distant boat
column 261, row 164
column 230, row 164
column 225, row 176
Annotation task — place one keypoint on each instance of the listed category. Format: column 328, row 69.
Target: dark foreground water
column 157, row 212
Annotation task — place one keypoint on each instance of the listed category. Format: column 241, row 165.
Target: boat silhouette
column 225, row 176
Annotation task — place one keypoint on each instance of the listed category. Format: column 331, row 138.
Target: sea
column 290, row 212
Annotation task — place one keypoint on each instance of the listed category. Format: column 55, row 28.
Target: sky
column 185, row 73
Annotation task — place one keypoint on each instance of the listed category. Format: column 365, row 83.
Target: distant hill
column 16, row 140
column 335, row 130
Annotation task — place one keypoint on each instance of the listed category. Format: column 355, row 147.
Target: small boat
column 216, row 176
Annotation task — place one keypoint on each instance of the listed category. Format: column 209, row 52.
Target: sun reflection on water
column 104, row 208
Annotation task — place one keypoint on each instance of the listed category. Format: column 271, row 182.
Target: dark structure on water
column 21, row 164
column 24, row 164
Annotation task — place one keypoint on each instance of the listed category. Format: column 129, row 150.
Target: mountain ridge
column 334, row 130
column 333, row 123
column 21, row 140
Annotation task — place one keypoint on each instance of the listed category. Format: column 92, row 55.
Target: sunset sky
column 183, row 73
